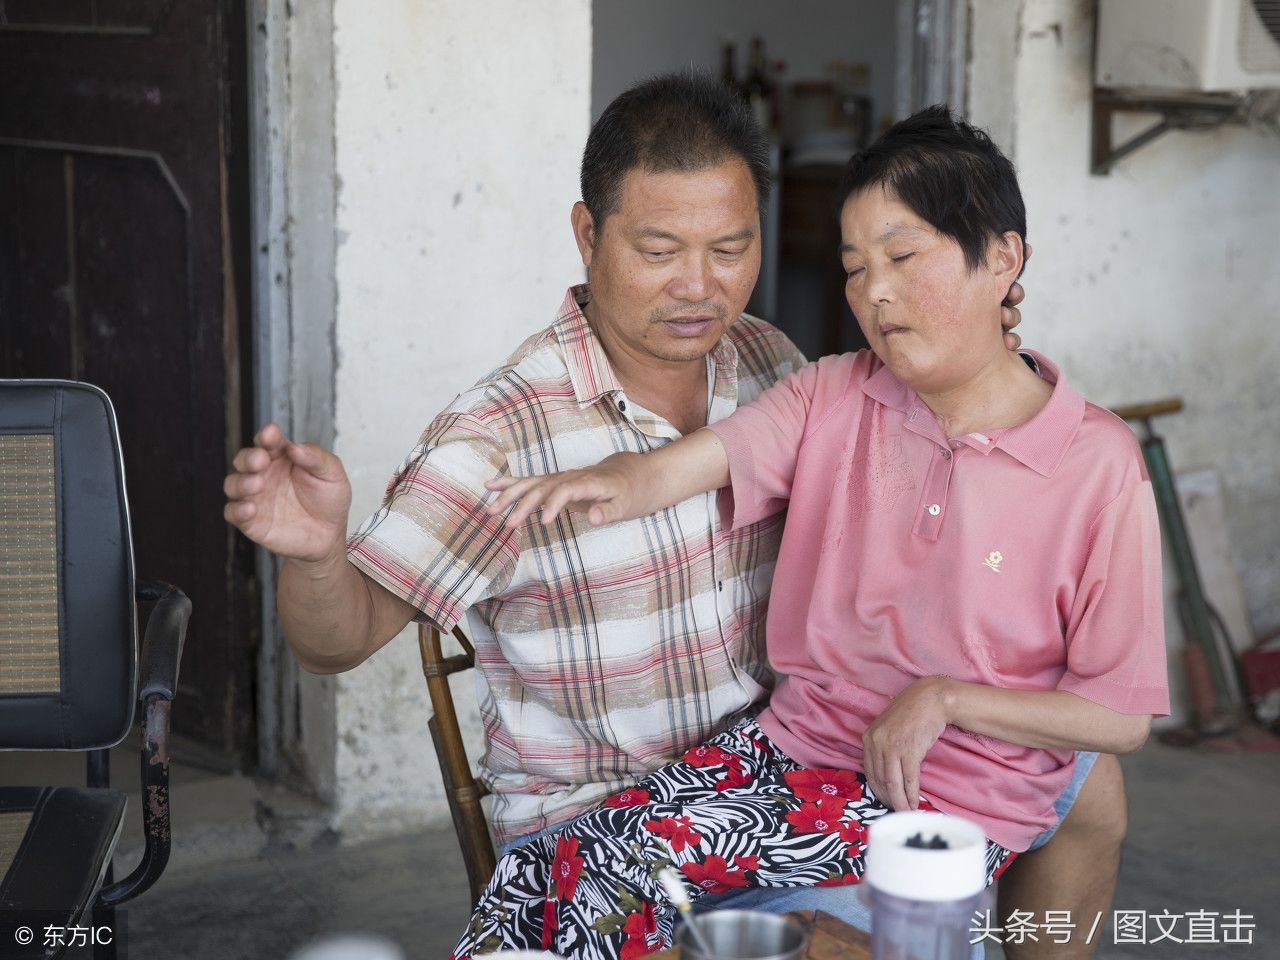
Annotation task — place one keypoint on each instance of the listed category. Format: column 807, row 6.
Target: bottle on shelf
column 853, row 108
column 728, row 66
column 757, row 89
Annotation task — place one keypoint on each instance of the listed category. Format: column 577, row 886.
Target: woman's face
column 933, row 321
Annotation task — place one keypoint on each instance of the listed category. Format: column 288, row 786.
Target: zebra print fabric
column 734, row 812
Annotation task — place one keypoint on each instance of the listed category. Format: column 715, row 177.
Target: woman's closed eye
column 899, row 258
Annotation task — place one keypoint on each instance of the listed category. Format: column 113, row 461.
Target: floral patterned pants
column 735, row 812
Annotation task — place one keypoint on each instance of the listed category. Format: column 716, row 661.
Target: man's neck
column 675, row 390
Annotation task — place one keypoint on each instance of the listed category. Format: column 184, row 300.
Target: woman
column 967, row 592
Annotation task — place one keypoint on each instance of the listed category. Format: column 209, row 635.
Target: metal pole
column 1198, row 619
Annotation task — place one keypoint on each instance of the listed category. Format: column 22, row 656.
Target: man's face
column 931, row 319
column 674, row 264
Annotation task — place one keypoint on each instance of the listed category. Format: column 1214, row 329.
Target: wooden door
column 123, row 214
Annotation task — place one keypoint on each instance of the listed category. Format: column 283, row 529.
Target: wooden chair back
column 461, row 788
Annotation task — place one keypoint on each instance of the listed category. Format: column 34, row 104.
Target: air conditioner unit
column 1172, row 46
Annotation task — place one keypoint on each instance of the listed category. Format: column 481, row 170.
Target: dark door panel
column 120, row 231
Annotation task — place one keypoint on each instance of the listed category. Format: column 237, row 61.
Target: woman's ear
column 1007, row 258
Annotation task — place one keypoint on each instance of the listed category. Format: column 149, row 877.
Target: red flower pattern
column 566, row 868
column 735, row 777
column 677, row 831
column 844, row 880
column 855, row 835
column 1003, row 867
column 638, row 926
column 824, row 796
column 820, row 783
column 821, row 817
column 713, row 875
column 550, row 922
column 631, row 797
column 706, row 756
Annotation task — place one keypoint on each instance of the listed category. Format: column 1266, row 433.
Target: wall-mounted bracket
column 1191, row 111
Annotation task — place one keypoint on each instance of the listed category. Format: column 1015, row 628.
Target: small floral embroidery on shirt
column 993, row 561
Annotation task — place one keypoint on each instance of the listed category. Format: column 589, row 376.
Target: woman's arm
column 1048, row 719
column 895, row 744
column 621, row 487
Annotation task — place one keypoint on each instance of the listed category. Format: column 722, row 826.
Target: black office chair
column 70, row 673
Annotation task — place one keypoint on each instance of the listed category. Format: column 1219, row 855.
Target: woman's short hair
column 949, row 173
column 686, row 121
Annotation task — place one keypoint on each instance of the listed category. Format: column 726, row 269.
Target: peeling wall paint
column 459, row 129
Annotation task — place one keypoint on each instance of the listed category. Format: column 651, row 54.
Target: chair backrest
column 462, row 789
column 68, row 633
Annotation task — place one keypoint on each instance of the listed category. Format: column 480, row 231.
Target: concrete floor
column 1204, row 835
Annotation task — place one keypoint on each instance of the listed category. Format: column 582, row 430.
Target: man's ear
column 1007, row 258
column 584, row 231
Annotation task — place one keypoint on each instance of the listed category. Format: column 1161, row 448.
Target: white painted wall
column 634, row 40
column 1158, row 280
column 458, row 128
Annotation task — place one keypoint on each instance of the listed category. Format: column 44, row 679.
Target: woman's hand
column 895, row 744
column 621, row 487
column 606, row 492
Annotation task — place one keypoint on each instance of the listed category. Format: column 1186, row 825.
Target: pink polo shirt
column 1028, row 559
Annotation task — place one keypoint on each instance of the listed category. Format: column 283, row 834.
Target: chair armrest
column 157, row 686
column 162, row 643
column 155, row 807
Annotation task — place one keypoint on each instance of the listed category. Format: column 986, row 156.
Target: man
column 602, row 654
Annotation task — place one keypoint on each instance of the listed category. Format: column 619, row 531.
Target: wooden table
column 829, row 939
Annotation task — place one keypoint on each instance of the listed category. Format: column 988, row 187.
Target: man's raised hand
column 292, row 498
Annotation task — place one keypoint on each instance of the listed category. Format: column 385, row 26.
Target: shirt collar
column 589, row 370
column 1040, row 443
column 591, row 373
column 883, row 387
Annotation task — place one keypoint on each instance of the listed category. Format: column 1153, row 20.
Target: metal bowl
column 743, row 935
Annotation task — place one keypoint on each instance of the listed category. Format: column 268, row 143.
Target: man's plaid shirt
column 603, row 653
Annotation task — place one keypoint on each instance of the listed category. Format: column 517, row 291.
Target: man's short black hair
column 686, row 121
column 949, row 173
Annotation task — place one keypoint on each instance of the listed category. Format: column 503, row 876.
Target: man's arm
column 293, row 499
column 334, row 616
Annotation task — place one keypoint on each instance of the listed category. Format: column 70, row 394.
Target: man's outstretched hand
column 292, row 498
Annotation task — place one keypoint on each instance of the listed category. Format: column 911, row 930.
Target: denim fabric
column 1066, row 800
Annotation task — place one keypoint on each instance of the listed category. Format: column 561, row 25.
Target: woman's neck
column 1003, row 393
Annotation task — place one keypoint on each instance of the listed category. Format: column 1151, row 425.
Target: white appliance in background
column 1170, row 46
